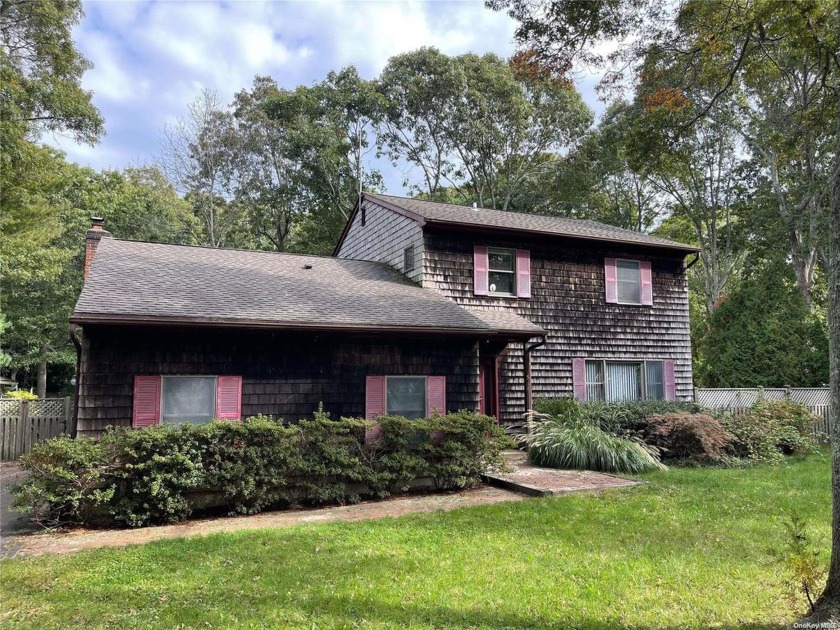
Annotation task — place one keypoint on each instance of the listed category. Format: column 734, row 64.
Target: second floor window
column 628, row 281
column 501, row 270
column 408, row 259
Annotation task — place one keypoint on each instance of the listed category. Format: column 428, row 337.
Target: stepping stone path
column 534, row 481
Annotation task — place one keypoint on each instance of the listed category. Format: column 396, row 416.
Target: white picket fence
column 740, row 400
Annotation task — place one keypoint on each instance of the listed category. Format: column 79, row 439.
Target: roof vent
column 307, row 266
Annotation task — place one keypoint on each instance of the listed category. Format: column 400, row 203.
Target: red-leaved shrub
column 688, row 436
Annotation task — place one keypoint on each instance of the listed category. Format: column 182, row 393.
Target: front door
column 488, row 386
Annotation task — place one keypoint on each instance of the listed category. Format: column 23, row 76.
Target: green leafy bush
column 688, row 436
column 771, row 430
column 69, row 481
column 576, row 442
column 153, row 469
column 156, row 475
column 20, row 394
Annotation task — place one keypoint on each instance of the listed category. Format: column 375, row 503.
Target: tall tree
column 199, row 156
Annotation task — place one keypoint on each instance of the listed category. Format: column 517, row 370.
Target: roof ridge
column 250, row 251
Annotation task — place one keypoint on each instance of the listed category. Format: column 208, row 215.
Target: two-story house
column 424, row 307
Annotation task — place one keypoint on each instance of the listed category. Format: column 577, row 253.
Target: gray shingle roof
column 506, row 321
column 447, row 213
column 131, row 280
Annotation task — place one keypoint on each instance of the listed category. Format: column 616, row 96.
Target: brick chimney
column 92, row 238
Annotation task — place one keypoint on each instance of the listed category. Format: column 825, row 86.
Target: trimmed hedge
column 159, row 475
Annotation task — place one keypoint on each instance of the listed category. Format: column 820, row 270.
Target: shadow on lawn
column 400, row 615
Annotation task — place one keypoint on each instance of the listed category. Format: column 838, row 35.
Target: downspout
column 74, row 330
column 528, row 394
column 693, row 261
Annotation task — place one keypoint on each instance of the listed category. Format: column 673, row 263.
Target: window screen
column 624, row 381
column 594, row 380
column 502, row 271
column 655, row 380
column 628, row 281
column 406, row 396
column 190, row 399
column 408, row 259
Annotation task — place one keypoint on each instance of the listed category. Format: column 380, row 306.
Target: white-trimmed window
column 628, row 281
column 617, row 381
column 501, row 271
column 188, row 399
column 408, row 259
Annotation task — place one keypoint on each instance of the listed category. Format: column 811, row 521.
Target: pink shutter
column 647, row 283
column 610, row 281
column 146, row 402
column 523, row 273
column 436, row 395
column 579, row 379
column 670, row 381
column 480, row 266
column 229, row 397
column 374, row 397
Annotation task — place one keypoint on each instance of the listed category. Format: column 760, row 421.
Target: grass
column 693, row 548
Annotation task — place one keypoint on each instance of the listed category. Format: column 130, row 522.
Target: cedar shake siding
column 383, row 238
column 568, row 301
column 284, row 374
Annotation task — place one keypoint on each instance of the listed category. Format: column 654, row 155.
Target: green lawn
column 694, row 548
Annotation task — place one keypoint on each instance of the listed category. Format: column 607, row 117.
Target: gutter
column 74, row 337
column 528, row 350
column 128, row 320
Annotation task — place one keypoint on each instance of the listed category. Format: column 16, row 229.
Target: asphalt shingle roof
column 447, row 213
column 131, row 280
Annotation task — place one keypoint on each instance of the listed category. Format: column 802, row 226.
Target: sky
column 151, row 59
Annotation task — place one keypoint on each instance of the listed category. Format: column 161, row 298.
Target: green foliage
column 771, row 430
column 801, row 560
column 153, row 469
column 688, row 436
column 69, row 482
column 21, row 394
column 161, row 474
column 765, row 334
column 575, row 442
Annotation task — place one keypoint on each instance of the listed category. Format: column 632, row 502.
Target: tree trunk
column 827, row 607
column 41, row 389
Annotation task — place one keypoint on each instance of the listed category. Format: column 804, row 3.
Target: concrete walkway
column 534, row 481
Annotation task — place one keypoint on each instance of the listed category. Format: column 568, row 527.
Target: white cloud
column 152, row 59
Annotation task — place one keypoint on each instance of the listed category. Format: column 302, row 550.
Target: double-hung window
column 501, row 271
column 617, row 381
column 407, row 396
column 628, row 281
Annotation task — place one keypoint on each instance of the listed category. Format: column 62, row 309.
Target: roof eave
column 150, row 320
column 688, row 249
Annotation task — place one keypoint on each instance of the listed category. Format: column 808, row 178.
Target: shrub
column 791, row 422
column 575, row 442
column 20, row 394
column 688, row 436
column 772, row 429
column 153, row 469
column 622, row 418
column 158, row 474
column 68, row 482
